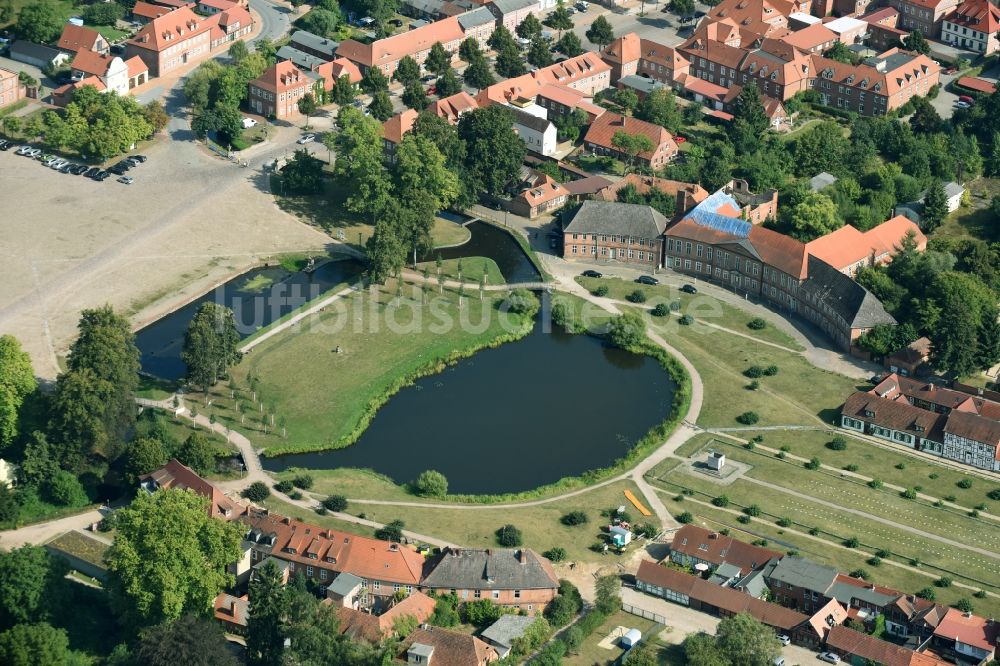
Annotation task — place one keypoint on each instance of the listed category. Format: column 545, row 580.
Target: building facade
column 611, row 231
column 276, row 92
column 11, row 89
column 927, row 16
column 174, row 40
column 974, row 25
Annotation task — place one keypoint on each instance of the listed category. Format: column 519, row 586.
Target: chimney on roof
column 232, row 607
column 522, row 556
column 713, row 535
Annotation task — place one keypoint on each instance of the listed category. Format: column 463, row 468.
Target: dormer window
column 878, row 86
column 850, row 79
column 774, row 75
column 864, row 83
column 753, row 67
column 869, row 413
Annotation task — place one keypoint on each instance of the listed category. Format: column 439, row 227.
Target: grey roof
column 641, row 83
column 529, row 120
column 844, row 592
column 753, row 584
column 475, row 18
column 611, row 217
column 728, row 571
column 496, row 568
column 507, row 629
column 315, row 42
column 849, row 300
column 588, row 185
column 301, row 59
column 953, row 189
column 432, row 7
column 419, row 649
column 419, row 23
column 32, row 50
column 804, row 574
column 344, row 584
column 821, row 180
column 511, row 6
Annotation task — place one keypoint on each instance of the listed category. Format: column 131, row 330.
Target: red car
column 966, row 99
column 679, row 139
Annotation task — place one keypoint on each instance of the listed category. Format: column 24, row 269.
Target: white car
column 248, row 123
column 784, row 639
column 58, row 164
column 829, row 657
column 307, row 138
column 962, row 105
column 127, row 180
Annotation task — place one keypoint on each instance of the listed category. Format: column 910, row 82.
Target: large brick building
column 172, row 41
column 516, row 578
column 385, row 54
column 926, row 16
column 611, row 231
column 276, row 92
column 974, row 25
column 11, row 89
column 600, row 138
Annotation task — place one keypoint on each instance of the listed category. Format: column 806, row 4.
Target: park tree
column 386, row 252
column 530, row 28
column 267, row 609
column 539, row 54
column 103, row 13
column 426, row 185
column 510, row 62
column 211, row 345
column 631, row 145
column 362, row 172
column 190, row 640
column 343, row 91
column 302, row 174
column 143, row 455
column 840, row 53
column 169, row 557
column 414, row 96
column 494, row 152
column 438, row 59
column 381, row 106
column 381, row 11
column 569, row 44
column 35, row 644
column 683, row 7
column 600, row 32
column 814, row 217
column 747, row 642
column 17, row 381
column 469, row 49
column 627, row 330
column 407, row 71
column 916, row 42
column 78, row 409
column 660, row 108
column 499, row 38
column 935, row 206
column 197, row 453
column 40, row 22
column 431, row 483
column 30, row 582
column 478, row 74
column 374, row 80
column 701, row 649
column 509, row 536
column 560, row 20
column 749, row 120
column 307, row 106
column 448, row 84
column 319, row 21
column 238, row 50
column 156, row 115
column 266, row 49
column 608, row 593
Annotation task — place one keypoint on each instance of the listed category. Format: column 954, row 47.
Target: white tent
column 631, row 638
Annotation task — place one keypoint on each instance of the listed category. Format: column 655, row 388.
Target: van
column 779, row 661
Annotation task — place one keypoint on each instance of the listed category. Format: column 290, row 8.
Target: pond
column 488, row 240
column 511, row 418
column 257, row 298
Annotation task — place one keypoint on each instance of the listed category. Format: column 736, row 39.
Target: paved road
column 275, row 19
column 42, row 532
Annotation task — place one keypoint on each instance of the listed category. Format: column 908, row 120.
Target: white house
column 111, row 70
column 914, row 209
column 973, row 25
column 8, row 472
column 538, row 132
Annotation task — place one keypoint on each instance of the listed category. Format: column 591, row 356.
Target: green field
column 472, row 270
column 64, row 8
column 590, row 653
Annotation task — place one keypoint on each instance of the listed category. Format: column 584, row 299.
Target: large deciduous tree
column 747, row 642
column 211, row 345
column 407, row 71
column 386, row 253
column 360, row 169
column 600, row 32
column 188, row 640
column 40, row 22
column 17, row 380
column 815, row 217
column 478, row 74
column 494, row 152
column 660, row 108
column 29, row 582
column 34, row 644
column 438, row 59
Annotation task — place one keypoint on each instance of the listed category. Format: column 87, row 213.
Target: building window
column 477, row 594
column 309, row 571
column 322, row 574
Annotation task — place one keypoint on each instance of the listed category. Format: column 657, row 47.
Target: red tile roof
column 847, row 641
column 171, row 28
column 373, row 628
column 543, row 191
column 334, row 69
column 603, row 129
column 230, row 609
column 847, row 246
column 399, row 125
column 827, row 617
column 717, row 548
column 176, row 475
column 135, row 66
column 643, row 184
column 452, row 648
column 91, row 62
column 75, row 38
column 976, row 84
column 218, row 4
column 451, row 108
column 810, row 37
column 978, row 15
column 392, row 49
column 281, row 77
column 150, row 11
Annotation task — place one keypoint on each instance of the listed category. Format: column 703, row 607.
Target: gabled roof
column 975, row 427
column 507, row 629
column 92, row 63
column 849, row 300
column 148, row 10
column 588, row 185
column 827, row 617
column 490, row 569
column 170, row 29
column 36, row 51
column 399, row 125
column 452, row 107
column 475, row 18
column 221, row 5
column 234, row 610
column 393, row 48
column 176, row 475
column 542, row 190
column 603, row 129
column 978, row 15
column 280, row 77
column 894, row 414
column 718, row 548
column 810, row 37
column 644, row 184
column 611, row 217
column 969, row 629
column 843, row 639
column 136, row 66
column 315, row 42
column 624, row 49
column 373, row 628
column 451, row 648
column 804, row 574
column 335, row 69
column 511, row 6
column 76, row 37
column 847, row 246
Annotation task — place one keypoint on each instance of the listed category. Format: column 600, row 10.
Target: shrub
column 321, row 510
column 909, row 493
column 753, row 510
column 720, row 501
column 881, row 553
column 771, row 370
column 685, row 518
column 900, row 465
column 748, row 418
column 637, row 296
column 335, row 503
column 994, row 494
column 979, row 594
column 813, row 463
column 750, row 446
column 852, row 542
column 851, row 468
column 875, row 483
column 927, row 593
column 753, row 372
column 556, row 554
column 753, row 386
column 757, row 324
column 757, row 438
column 522, row 302
column 943, row 581
column 813, row 531
column 933, row 475
column 743, row 519
column 964, row 605
column 647, row 530
column 431, row 483
column 574, row 518
column 675, row 306
column 780, row 455
column 509, row 536
column 918, row 488
column 760, row 542
column 786, row 448
column 875, row 561
column 65, row 489
column 915, row 562
column 600, row 291
column 661, row 310
column 627, row 330
column 295, row 495
column 981, row 506
column 838, row 443
column 859, row 573
column 283, row 486
column 965, row 483
column 391, row 532
column 784, row 522
column 256, row 491
column 303, row 481
column 950, row 498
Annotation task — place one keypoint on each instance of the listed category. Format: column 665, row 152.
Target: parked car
column 128, row 180
column 141, row 159
column 33, row 152
column 967, row 99
column 396, row 22
column 307, row 138
column 571, row 10
column 592, row 274
column 689, row 289
column 102, row 176
column 91, row 172
column 57, row 164
column 80, row 169
column 829, row 657
column 582, row 6
column 647, row 279
column 784, row 639
column 962, row 105
column 6, row 145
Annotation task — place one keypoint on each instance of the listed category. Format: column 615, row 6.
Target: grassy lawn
column 590, row 653
column 153, row 388
column 472, row 270
column 603, row 164
column 447, row 233
column 326, row 398
column 974, row 220
column 110, row 32
column 700, row 306
column 85, row 547
column 64, row 9
column 16, row 106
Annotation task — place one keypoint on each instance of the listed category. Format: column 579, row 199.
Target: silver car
column 58, row 164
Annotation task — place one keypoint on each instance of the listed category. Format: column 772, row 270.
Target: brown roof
column 975, row 427
column 136, row 66
column 894, row 414
column 725, row 598
column 589, row 185
column 713, row 51
column 91, row 62
column 625, row 49
column 848, row 641
column 643, row 184
column 233, row 610
column 450, row 108
column 783, row 252
column 295, row 540
column 281, row 77
column 888, row 82
column 717, row 548
column 334, row 69
column 542, row 190
column 400, row 124
column 149, row 10
column 603, row 129
column 968, row 629
column 896, row 387
column 452, row 648
column 373, row 628
column 169, row 29
column 176, row 475
column 392, row 49
column 880, row 15
column 76, row 38
column 705, row 88
column 976, row 84
column 847, row 246
column 358, row 624
column 978, row 15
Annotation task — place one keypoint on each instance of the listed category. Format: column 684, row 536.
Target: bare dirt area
column 189, row 221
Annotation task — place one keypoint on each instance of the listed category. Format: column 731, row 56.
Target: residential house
column 434, row 646
column 761, row 18
column 478, row 24
column 276, row 92
column 586, row 188
column 909, row 615
column 171, row 41
column 856, row 647
column 175, row 4
column 232, row 612
column 430, row 10
column 849, row 250
column 510, row 13
column 883, row 32
column 76, row 38
column 347, row 591
column 454, row 107
column 314, row 45
column 850, row 7
column 11, row 89
column 229, row 25
column 911, row 360
column 331, row 71
column 865, row 600
column 629, row 55
column 502, row 633
column 966, row 636
column 817, row 38
column 387, row 568
column 209, row 7
column 586, row 74
column 363, row 625
column 536, row 131
column 560, row 101
column 36, row 54
column 540, row 195
column 111, row 70
column 688, row 195
column 516, row 578
column 304, row 61
column 848, row 30
column 144, row 12
column 695, row 545
column 611, row 231
column 600, row 139
column 914, row 210
column 393, row 131
column 831, row 615
column 799, row 583
column 176, row 475
column 386, row 53
column 927, row 16
column 974, row 25
column 877, row 86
